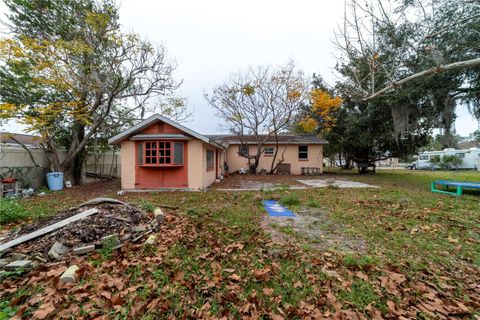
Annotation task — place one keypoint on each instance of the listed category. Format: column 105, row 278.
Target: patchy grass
column 146, row 205
column 290, row 199
column 214, row 260
column 360, row 294
column 12, row 210
column 313, row 204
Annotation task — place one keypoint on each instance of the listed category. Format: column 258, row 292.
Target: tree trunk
column 72, row 167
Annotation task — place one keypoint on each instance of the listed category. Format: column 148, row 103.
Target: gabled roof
column 156, row 118
column 297, row 139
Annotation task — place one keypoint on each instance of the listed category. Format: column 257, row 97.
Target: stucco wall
column 198, row 176
column 315, row 158
column 128, row 164
column 195, row 164
column 208, row 176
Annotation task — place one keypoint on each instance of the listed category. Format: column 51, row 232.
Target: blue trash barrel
column 55, row 181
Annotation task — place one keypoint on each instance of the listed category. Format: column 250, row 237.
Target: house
column 299, row 151
column 159, row 153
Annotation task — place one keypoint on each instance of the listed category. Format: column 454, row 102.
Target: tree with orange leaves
column 320, row 116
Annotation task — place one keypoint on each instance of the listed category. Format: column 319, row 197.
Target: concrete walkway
column 340, row 183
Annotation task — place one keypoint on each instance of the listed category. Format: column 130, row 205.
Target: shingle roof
column 282, row 139
column 26, row 139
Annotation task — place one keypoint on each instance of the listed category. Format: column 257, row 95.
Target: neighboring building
column 470, row 158
column 390, row 162
column 297, row 150
column 22, row 158
column 160, row 153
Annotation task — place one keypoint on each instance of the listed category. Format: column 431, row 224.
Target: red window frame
column 158, row 153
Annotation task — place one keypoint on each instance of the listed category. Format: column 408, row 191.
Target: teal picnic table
column 459, row 185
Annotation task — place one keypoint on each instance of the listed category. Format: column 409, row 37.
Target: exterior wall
column 209, row 176
column 127, row 168
column 158, row 177
column 195, row 164
column 221, row 159
column 315, row 158
column 161, row 127
column 198, row 175
column 193, row 174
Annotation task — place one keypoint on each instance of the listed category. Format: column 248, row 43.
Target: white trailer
column 470, row 158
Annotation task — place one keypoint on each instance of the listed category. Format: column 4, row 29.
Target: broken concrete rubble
column 4, row 262
column 110, row 241
column 18, row 256
column 151, row 240
column 48, row 229
column 159, row 215
column 140, row 228
column 39, row 257
column 69, row 275
column 78, row 231
column 57, row 250
column 84, row 249
column 19, row 264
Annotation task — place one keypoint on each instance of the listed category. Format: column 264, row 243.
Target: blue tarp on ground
column 274, row 209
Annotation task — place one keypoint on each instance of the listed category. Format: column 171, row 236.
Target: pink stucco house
column 159, row 153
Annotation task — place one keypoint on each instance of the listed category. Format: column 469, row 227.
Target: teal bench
column 459, row 185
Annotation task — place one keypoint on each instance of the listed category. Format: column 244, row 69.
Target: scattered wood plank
column 118, row 218
column 48, row 229
column 108, row 200
column 168, row 206
column 103, row 200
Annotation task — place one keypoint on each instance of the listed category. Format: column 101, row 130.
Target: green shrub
column 289, row 200
column 11, row 210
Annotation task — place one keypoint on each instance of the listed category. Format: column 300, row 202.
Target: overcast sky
column 212, row 39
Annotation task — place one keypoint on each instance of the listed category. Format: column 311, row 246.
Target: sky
column 212, row 39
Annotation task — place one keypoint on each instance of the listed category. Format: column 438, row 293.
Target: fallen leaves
column 234, row 277
column 44, row 311
column 392, row 281
column 262, row 274
column 267, row 291
column 452, row 240
column 204, row 269
column 178, row 276
column 234, row 246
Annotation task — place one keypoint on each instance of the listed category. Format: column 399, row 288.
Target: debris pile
column 99, row 223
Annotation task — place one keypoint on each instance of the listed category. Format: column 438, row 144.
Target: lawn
column 214, row 260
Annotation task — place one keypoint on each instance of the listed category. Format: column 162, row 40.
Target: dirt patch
column 312, row 226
